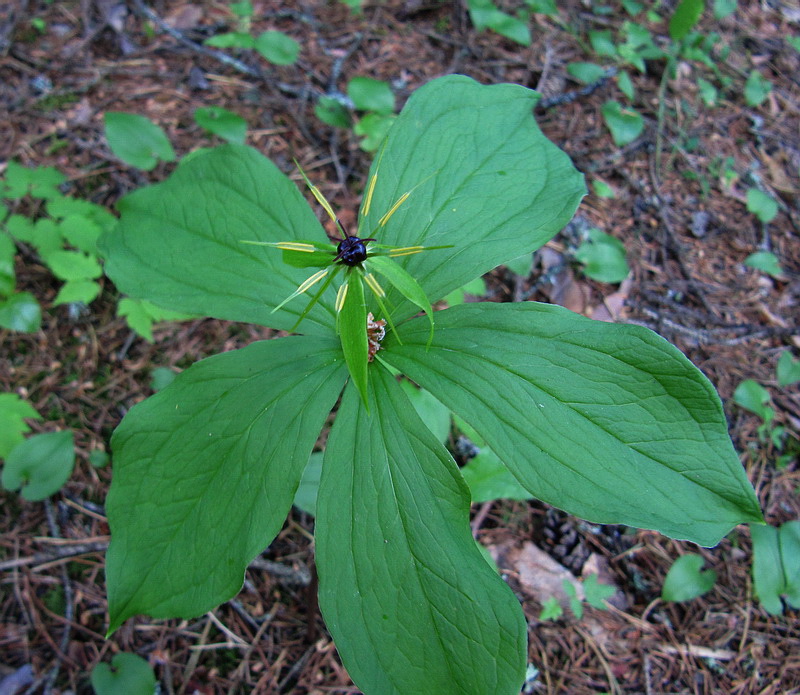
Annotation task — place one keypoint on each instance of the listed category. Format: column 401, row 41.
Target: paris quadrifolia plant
column 360, row 258
column 609, row 422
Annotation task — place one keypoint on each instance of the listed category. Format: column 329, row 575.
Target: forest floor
column 679, row 206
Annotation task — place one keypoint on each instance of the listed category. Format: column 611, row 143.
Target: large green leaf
column 489, row 183
column 179, row 243
column 606, row 421
column 412, row 605
column 205, row 472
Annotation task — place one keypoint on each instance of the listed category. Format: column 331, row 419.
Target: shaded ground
column 83, row 371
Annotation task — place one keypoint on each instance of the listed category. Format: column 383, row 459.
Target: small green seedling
column 708, row 92
column 161, row 377
column 607, row 421
column 98, row 458
column 756, row 89
column 19, row 311
column 136, row 140
column 275, row 46
column 551, row 610
column 602, row 189
column 484, row 14
column 686, row 579
column 753, row 397
column 595, row 594
column 776, row 565
column 586, row 72
column 765, row 261
column 603, row 257
column 374, row 100
column 761, row 205
column 545, row 7
column 788, row 369
column 684, row 18
column 724, row 8
column 13, row 413
column 634, row 45
column 128, row 673
column 64, row 233
column 226, row 124
column 40, row 465
column 625, row 124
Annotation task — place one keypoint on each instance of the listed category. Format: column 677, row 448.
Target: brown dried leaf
column 540, row 576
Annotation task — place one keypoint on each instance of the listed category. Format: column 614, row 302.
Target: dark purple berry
column 352, row 250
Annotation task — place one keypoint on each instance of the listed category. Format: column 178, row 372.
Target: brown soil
column 84, row 371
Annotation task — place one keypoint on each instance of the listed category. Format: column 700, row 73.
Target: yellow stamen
column 405, row 251
column 295, row 246
column 402, row 199
column 341, row 295
column 323, row 202
column 313, row 280
column 374, row 285
column 368, row 199
column 320, row 198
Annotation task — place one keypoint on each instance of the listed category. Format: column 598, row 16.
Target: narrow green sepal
column 294, row 244
column 405, row 284
column 307, row 284
column 301, row 259
column 352, row 325
column 321, row 199
column 387, row 250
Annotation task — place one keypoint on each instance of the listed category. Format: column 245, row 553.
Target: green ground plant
column 485, row 14
column 603, row 257
column 776, row 565
column 60, row 230
column 595, row 594
column 368, row 109
column 128, row 673
column 38, row 465
column 687, row 580
column 609, row 422
column 275, row 46
column 754, row 398
column 634, row 45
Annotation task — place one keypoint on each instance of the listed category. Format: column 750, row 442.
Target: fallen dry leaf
column 540, row 576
